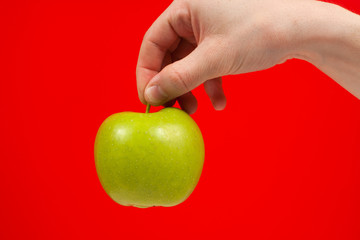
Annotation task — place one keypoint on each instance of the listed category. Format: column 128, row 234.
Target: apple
column 149, row 159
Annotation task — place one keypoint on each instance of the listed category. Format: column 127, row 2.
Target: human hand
column 198, row 41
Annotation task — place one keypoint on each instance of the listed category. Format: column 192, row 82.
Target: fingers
column 170, row 65
column 170, row 103
column 184, row 75
column 159, row 39
column 214, row 90
column 167, row 60
column 188, row 103
column 183, row 49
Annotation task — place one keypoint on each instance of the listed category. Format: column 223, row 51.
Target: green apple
column 149, row 159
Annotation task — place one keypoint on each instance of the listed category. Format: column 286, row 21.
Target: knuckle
column 176, row 2
column 147, row 33
column 180, row 10
column 180, row 18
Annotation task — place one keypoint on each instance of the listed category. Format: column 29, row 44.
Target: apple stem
column 148, row 108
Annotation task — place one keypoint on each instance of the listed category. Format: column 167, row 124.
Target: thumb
column 183, row 76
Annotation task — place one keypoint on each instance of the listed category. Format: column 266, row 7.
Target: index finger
column 158, row 40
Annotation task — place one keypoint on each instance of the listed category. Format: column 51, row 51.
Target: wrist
column 324, row 32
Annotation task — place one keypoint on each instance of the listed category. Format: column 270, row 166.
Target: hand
column 198, row 41
column 195, row 42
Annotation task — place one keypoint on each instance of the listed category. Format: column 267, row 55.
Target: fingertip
column 219, row 104
column 188, row 103
column 155, row 95
column 191, row 110
column 170, row 103
column 141, row 97
column 214, row 90
column 143, row 77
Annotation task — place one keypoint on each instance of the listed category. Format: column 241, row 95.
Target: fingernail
column 155, row 94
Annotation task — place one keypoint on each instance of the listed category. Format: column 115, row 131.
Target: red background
column 282, row 160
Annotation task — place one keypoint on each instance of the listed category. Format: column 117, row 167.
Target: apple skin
column 149, row 159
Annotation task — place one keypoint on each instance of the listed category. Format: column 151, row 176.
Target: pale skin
column 196, row 42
